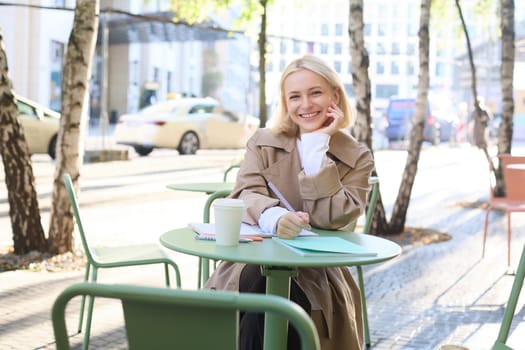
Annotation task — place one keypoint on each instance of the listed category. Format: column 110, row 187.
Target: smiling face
column 307, row 96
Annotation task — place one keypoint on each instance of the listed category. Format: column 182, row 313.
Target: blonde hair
column 282, row 123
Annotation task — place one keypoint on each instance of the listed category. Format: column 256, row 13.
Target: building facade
column 149, row 60
column 145, row 60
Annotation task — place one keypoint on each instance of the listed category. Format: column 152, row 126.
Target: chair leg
column 85, row 345
column 485, row 229
column 83, row 302
column 508, row 237
column 363, row 304
column 167, row 274
column 199, row 274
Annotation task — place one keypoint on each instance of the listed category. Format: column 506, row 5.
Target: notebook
column 246, row 230
column 324, row 246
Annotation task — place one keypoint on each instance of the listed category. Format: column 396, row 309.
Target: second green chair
column 113, row 256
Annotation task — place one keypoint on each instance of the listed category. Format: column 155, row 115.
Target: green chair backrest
column 162, row 318
column 508, row 315
column 374, row 181
column 230, row 168
column 76, row 212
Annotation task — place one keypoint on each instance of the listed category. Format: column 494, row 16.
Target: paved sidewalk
column 431, row 295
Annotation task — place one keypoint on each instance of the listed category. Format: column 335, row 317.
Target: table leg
column 276, row 328
column 363, row 305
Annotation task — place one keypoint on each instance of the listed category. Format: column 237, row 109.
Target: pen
column 287, row 205
column 281, row 197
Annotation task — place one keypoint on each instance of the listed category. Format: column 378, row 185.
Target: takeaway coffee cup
column 228, row 217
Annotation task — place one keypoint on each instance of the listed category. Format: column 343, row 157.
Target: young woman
column 323, row 172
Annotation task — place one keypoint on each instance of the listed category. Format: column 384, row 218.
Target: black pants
column 252, row 324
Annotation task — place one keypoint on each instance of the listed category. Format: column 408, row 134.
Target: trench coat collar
column 342, row 145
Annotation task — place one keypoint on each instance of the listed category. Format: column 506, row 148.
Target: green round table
column 279, row 264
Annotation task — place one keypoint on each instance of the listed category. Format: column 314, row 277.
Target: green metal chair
column 229, row 170
column 160, row 318
column 511, row 306
column 204, row 264
column 369, row 215
column 113, row 256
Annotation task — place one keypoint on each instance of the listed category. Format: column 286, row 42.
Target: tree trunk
column 480, row 124
column 508, row 49
column 261, row 42
column 361, row 85
column 360, row 79
column 24, row 212
column 398, row 218
column 77, row 72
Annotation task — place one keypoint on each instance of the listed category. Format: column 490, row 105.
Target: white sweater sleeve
column 269, row 218
column 312, row 151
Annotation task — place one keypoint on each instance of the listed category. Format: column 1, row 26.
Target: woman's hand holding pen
column 291, row 224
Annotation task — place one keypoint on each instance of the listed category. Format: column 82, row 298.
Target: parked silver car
column 40, row 126
column 185, row 124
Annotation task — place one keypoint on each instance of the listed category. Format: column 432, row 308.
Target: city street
column 430, row 295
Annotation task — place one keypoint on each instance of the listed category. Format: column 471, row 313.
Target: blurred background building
column 151, row 60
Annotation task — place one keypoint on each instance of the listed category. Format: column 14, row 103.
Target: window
column 337, row 66
column 394, row 68
column 350, row 67
column 282, row 65
column 324, row 48
column 338, row 29
column 410, row 68
column 169, row 79
column 411, row 49
column 156, row 73
column 386, row 90
column 412, row 28
column 134, row 72
column 283, row 47
column 395, row 49
column 381, row 29
column 348, row 89
column 380, row 68
column 338, row 48
column 324, row 29
column 380, row 49
column 440, row 69
column 296, row 47
column 56, row 61
column 367, row 30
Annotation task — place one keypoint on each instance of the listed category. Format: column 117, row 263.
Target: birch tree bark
column 480, row 124
column 362, row 92
column 508, row 51
column 24, row 212
column 399, row 211
column 77, row 72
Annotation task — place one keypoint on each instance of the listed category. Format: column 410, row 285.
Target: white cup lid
column 228, row 202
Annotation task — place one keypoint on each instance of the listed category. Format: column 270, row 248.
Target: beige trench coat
column 334, row 199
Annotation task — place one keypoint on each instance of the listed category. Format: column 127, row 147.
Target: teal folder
column 316, row 246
